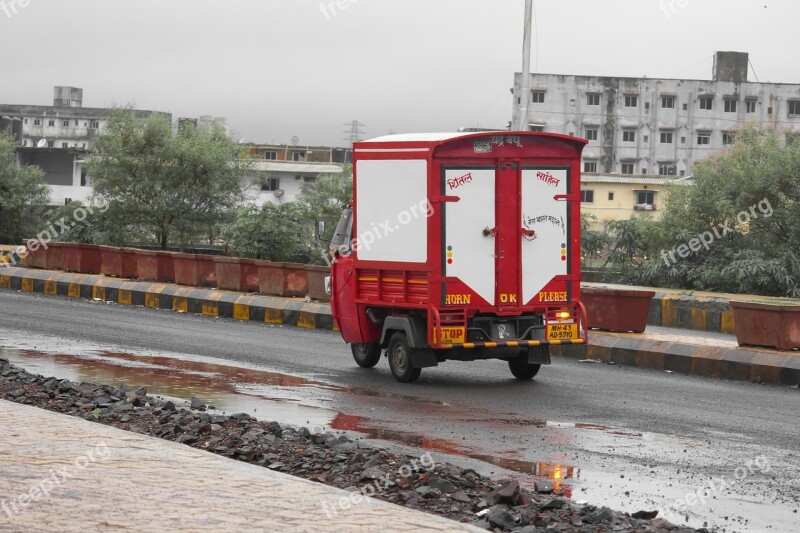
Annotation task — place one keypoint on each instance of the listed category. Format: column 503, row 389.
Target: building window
column 298, row 156
column 703, row 138
column 794, row 107
column 647, row 106
column 37, row 122
column 593, row 99
column 683, row 140
column 631, row 101
column 26, row 121
column 591, row 134
column 95, row 124
column 76, row 124
column 707, row 103
column 666, row 137
column 536, row 127
column 667, row 169
column 64, row 145
column 627, row 168
column 668, row 102
column 646, row 138
column 51, row 122
column 590, row 166
column 611, row 196
column 51, row 144
column 629, row 136
column 272, row 156
column 728, row 137
column 730, row 105
column 645, row 200
column 587, row 197
column 537, row 97
column 751, row 105
column 271, row 184
column 65, row 123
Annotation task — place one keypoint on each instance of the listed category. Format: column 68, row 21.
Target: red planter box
column 118, row 262
column 229, row 273
column 617, row 310
column 768, row 325
column 206, row 271
column 146, row 265
column 186, row 271
column 249, row 281
column 37, row 258
column 195, row 270
column 283, row 279
column 81, row 258
column 316, row 282
column 55, row 256
column 154, row 265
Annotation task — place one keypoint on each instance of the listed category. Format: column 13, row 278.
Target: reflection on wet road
column 624, row 469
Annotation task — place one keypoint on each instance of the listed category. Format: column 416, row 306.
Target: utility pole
column 524, row 95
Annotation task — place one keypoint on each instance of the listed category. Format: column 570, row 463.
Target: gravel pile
column 411, row 481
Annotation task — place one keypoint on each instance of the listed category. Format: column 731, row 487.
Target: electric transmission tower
column 355, row 133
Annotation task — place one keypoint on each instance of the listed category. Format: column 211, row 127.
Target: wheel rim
column 400, row 358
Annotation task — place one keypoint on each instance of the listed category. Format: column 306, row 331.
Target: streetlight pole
column 524, row 94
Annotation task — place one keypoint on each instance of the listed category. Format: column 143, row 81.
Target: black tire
column 399, row 354
column 521, row 368
column 366, row 355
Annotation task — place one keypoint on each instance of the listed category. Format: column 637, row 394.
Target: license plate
column 560, row 332
column 452, row 335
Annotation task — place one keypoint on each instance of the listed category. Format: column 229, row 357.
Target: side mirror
column 320, row 229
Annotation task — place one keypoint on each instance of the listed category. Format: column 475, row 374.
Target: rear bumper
column 509, row 344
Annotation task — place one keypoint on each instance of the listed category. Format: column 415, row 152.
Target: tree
column 323, row 201
column 593, row 242
column 744, row 210
column 160, row 186
column 23, row 194
column 274, row 232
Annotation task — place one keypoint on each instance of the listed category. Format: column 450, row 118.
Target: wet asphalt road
column 628, row 438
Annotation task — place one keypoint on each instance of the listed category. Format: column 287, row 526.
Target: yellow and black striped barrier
column 209, row 302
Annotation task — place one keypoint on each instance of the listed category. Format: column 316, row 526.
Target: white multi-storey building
column 657, row 126
column 56, row 138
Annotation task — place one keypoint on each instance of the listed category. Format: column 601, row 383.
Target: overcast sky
column 282, row 68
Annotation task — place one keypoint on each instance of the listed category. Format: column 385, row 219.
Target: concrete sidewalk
column 60, row 473
column 704, row 353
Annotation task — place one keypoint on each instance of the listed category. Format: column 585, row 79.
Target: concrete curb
column 208, row 302
column 739, row 364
